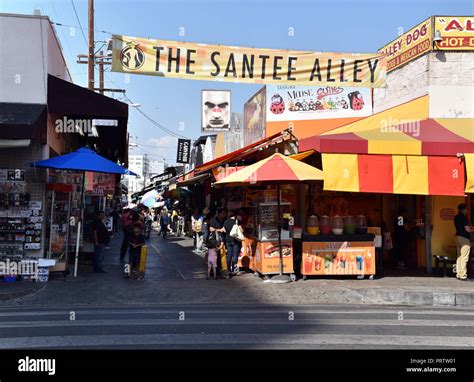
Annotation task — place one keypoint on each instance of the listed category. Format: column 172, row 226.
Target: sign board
column 254, row 118
column 457, row 32
column 196, row 61
column 184, row 149
column 296, row 103
column 410, row 45
column 215, row 110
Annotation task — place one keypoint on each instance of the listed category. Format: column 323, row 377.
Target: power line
column 156, row 123
column 75, row 26
column 79, row 22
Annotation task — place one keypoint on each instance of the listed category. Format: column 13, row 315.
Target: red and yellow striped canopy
column 442, row 137
column 395, row 174
column 276, row 168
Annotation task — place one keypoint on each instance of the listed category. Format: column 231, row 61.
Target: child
column 212, row 253
column 136, row 241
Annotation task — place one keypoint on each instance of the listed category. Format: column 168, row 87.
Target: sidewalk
column 177, row 275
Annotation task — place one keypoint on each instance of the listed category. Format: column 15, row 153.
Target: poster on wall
column 297, row 103
column 254, row 118
column 99, row 183
column 410, row 45
column 215, row 110
column 457, row 32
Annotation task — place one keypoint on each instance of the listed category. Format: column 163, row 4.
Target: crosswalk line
column 235, row 322
column 254, row 341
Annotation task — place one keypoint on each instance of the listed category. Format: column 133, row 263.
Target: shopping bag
column 236, row 232
column 223, row 259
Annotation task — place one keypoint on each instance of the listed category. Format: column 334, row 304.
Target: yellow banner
column 457, row 32
column 408, row 46
column 247, row 65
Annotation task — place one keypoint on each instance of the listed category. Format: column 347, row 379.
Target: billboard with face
column 215, row 110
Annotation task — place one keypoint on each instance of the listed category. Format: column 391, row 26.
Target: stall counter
column 326, row 255
column 263, row 256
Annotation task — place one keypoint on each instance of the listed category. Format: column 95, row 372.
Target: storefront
column 420, row 168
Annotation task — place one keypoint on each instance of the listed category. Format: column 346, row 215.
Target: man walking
column 463, row 241
column 101, row 241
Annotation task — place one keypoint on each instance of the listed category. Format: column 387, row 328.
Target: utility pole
column 91, row 58
column 101, row 73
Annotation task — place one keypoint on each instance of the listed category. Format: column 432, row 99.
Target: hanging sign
column 184, row 148
column 193, row 61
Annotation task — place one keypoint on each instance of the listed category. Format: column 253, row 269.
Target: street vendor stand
column 273, row 245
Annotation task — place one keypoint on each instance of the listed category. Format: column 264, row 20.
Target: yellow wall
column 442, row 241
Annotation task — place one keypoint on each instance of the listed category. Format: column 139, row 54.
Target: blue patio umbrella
column 83, row 159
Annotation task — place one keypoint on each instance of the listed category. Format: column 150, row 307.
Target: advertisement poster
column 100, row 184
column 215, row 110
column 457, row 32
column 184, row 148
column 195, row 61
column 408, row 46
column 338, row 258
column 254, row 118
column 267, row 257
column 296, row 103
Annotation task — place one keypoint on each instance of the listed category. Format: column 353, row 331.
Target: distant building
column 157, row 167
column 139, row 164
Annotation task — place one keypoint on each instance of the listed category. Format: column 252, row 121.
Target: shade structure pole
column 279, row 228
column 78, row 239
column 280, row 278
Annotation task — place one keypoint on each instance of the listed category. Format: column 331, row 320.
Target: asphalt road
column 236, row 327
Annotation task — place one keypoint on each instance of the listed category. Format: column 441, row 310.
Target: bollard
column 142, row 265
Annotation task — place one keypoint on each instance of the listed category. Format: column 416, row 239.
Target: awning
column 14, row 143
column 76, row 102
column 238, row 154
column 23, row 121
column 193, row 180
column 469, row 160
column 426, row 137
column 402, row 130
column 302, row 155
column 395, row 174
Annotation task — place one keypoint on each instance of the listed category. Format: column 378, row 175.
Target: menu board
column 268, row 214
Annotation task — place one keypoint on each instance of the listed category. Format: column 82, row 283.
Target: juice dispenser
column 337, row 225
column 349, row 225
column 361, row 224
column 312, row 225
column 325, row 225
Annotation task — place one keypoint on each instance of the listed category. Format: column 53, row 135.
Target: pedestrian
column 401, row 238
column 116, row 218
column 101, row 241
column 233, row 246
column 126, row 229
column 217, row 232
column 136, row 242
column 164, row 222
column 212, row 258
column 463, row 241
column 197, row 220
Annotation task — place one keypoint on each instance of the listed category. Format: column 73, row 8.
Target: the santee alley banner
column 248, row 65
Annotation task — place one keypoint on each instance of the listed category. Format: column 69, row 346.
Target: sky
column 360, row 26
